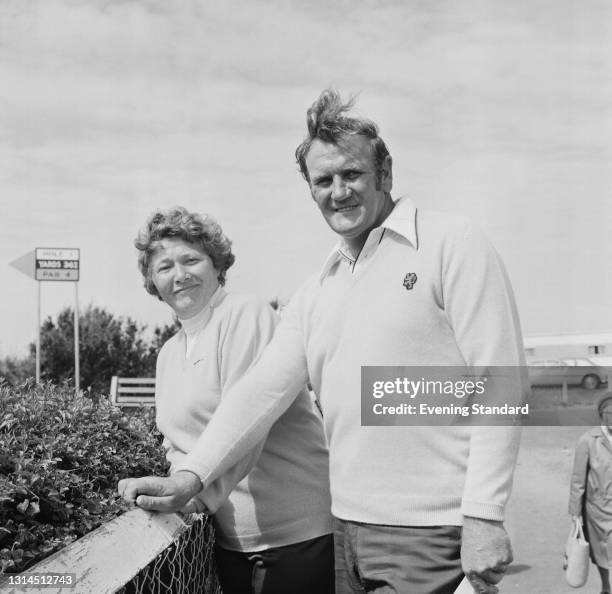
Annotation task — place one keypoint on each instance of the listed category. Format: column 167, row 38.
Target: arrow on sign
column 25, row 264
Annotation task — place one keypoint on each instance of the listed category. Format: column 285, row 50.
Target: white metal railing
column 136, row 552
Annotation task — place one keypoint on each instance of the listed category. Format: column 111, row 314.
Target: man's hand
column 485, row 553
column 195, row 506
column 165, row 494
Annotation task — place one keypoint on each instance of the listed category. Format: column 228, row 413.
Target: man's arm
column 480, row 305
column 249, row 330
column 245, row 338
column 250, row 408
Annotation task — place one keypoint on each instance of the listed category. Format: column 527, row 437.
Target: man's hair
column 201, row 231
column 326, row 120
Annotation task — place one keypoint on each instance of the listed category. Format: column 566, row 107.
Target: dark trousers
column 397, row 559
column 302, row 568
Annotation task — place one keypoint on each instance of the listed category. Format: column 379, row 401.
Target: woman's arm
column 579, row 476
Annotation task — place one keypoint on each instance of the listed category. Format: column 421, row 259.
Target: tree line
column 109, row 345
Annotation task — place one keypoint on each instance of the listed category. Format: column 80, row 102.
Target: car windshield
column 579, row 362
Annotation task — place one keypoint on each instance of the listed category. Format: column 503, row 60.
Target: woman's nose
column 180, row 273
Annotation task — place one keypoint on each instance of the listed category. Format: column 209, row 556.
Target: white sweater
column 460, row 311
column 285, row 498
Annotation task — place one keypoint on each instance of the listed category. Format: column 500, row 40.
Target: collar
column 606, row 433
column 401, row 220
column 193, row 324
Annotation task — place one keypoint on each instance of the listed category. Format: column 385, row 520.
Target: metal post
column 77, row 378
column 38, row 337
column 564, row 393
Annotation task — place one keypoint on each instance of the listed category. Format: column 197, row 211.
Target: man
column 415, row 506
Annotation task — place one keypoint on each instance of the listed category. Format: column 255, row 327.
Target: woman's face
column 606, row 415
column 184, row 276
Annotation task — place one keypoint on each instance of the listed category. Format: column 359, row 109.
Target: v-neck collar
column 401, row 220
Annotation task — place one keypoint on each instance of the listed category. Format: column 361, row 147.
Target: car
column 577, row 371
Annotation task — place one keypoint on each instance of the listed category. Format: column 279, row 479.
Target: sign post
column 62, row 264
column 77, row 374
column 38, row 337
column 54, row 264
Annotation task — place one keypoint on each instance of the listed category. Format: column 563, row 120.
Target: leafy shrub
column 61, row 457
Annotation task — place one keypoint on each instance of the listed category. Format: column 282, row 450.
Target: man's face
column 343, row 183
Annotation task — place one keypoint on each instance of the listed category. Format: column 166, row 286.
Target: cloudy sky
column 110, row 109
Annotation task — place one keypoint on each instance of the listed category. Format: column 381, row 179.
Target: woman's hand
column 164, row 494
column 577, row 519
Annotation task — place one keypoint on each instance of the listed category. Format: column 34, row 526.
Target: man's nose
column 340, row 190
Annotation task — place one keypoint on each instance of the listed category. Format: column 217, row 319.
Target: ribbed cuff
column 201, row 471
column 483, row 510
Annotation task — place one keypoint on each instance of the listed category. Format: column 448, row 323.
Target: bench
column 132, row 391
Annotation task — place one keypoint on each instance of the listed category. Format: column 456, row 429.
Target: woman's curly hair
column 201, row 231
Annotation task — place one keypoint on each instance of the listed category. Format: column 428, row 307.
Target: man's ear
column 385, row 175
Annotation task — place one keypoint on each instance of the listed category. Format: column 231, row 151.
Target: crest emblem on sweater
column 409, row 280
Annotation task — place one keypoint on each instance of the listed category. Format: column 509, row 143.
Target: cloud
column 109, row 109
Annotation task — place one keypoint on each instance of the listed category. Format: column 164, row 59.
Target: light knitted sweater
column 460, row 311
column 285, row 498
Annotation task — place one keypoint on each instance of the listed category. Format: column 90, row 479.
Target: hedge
column 61, row 457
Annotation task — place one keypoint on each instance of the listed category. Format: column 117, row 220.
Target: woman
column 591, row 490
column 272, row 527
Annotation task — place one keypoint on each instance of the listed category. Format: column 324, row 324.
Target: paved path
column 537, row 516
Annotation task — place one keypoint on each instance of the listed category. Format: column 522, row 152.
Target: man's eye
column 352, row 175
column 323, row 182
